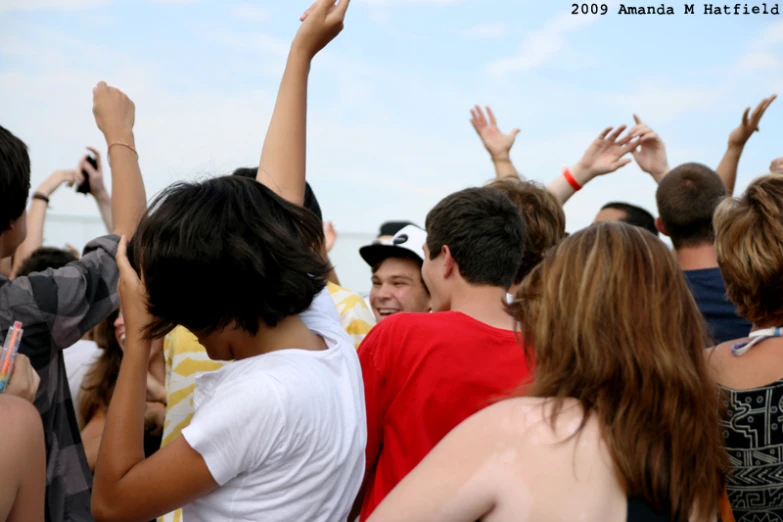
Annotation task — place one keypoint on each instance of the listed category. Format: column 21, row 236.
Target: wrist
column 124, row 135
column 500, row 158
column 45, row 190
column 659, row 174
column 101, row 195
column 581, row 174
column 298, row 57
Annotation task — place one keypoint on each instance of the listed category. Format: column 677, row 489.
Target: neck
column 483, row 303
column 291, row 332
column 697, row 257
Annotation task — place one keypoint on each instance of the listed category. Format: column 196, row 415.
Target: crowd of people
column 201, row 361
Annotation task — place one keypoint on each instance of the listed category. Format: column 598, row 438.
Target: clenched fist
column 114, row 113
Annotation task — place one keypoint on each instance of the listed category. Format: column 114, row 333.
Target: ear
column 449, row 264
column 660, row 227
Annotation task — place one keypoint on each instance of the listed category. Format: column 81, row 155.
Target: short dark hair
column 484, row 232
column 634, row 215
column 544, row 219
column 687, row 198
column 14, row 178
column 227, row 250
column 43, row 258
column 310, row 201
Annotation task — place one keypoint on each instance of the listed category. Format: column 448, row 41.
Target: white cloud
column 758, row 61
column 664, row 103
column 541, row 45
column 250, row 12
column 485, row 32
column 762, row 54
column 30, row 5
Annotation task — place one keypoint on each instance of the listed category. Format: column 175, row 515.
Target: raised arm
column 603, row 156
column 115, row 115
column 283, row 157
column 36, row 214
column 651, row 153
column 127, row 486
column 98, row 187
column 727, row 169
column 497, row 144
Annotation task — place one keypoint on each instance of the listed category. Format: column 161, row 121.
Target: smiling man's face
column 397, row 286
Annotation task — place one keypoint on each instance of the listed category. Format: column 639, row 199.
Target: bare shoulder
column 522, row 417
column 23, row 422
column 22, row 412
column 718, row 358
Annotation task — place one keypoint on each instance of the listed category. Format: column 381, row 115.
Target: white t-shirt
column 78, row 360
column 283, row 433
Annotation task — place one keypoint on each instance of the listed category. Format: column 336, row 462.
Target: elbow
column 104, row 510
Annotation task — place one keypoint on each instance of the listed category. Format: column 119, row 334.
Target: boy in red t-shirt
column 426, row 373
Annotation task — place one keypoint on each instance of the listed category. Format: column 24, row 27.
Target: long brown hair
column 98, row 385
column 615, row 327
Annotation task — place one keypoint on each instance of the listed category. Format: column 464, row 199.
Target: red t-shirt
column 423, row 375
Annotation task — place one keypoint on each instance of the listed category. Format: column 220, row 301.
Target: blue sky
column 389, row 124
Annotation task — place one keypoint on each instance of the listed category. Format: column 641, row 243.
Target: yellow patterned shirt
column 186, row 358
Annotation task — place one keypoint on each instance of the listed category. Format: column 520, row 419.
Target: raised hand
column 133, row 297
column 776, row 166
column 321, row 24
column 97, row 186
column 114, row 113
column 496, row 142
column 650, row 155
column 750, row 123
column 604, row 155
column 330, row 234
column 57, row 178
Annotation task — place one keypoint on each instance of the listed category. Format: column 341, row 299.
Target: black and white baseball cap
column 407, row 242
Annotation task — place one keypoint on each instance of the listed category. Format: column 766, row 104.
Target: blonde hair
column 614, row 326
column 749, row 242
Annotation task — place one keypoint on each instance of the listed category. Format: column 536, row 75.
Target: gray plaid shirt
column 56, row 308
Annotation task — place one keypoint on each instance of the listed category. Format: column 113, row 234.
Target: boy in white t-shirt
column 280, row 433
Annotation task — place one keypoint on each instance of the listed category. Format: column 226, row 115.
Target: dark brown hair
column 687, row 198
column 98, row 385
column 543, row 215
column 480, row 226
column 615, row 327
column 749, row 235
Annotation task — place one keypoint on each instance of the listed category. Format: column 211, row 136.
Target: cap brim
column 374, row 254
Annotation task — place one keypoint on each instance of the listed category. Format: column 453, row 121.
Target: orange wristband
column 571, row 180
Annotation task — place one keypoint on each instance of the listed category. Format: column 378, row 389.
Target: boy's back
column 423, row 375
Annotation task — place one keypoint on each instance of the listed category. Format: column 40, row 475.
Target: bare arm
column 115, row 115
column 23, row 483
column 127, row 486
column 497, row 144
column 283, row 157
column 97, row 187
column 330, row 236
column 91, row 437
column 729, row 164
column 603, row 156
column 36, row 215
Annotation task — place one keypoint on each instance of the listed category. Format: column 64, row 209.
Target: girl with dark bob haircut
column 280, row 432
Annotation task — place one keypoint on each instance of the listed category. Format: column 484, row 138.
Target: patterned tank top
column 753, row 431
